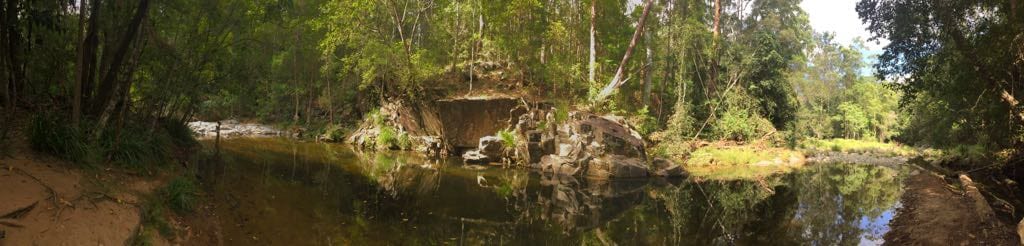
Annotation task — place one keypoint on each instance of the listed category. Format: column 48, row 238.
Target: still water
column 282, row 192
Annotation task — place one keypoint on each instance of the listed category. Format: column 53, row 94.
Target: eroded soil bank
column 935, row 212
column 44, row 201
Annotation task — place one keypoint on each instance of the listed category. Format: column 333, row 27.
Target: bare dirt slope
column 934, row 213
column 45, row 201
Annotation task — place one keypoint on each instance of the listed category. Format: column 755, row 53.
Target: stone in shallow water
column 475, row 157
column 491, row 146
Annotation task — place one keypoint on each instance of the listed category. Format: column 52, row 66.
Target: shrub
column 179, row 133
column 64, row 141
column 180, row 194
column 507, row 137
column 403, row 141
column 333, row 133
column 740, row 125
column 644, row 123
column 387, row 137
column 136, row 148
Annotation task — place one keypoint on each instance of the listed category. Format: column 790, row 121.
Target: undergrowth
column 48, row 135
column 180, row 196
column 131, row 146
column 857, row 146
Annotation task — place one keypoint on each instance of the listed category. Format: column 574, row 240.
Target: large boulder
column 599, row 147
column 559, row 165
column 616, row 166
column 489, row 149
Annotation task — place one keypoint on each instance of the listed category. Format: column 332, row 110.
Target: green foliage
column 181, row 194
column 643, row 121
column 740, row 125
column 179, row 133
column 852, row 120
column 507, row 137
column 732, row 156
column 387, row 138
column 47, row 134
column 952, row 60
column 858, row 146
column 969, row 153
column 135, row 147
column 403, row 141
column 333, row 133
column 153, row 217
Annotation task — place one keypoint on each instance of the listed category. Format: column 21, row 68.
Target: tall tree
column 617, row 80
column 592, row 64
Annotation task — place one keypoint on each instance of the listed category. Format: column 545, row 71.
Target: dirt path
column 935, row 213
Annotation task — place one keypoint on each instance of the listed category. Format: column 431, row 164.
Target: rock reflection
column 276, row 191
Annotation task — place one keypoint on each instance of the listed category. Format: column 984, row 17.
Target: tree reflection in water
column 276, row 190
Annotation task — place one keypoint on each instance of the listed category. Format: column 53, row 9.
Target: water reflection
column 278, row 192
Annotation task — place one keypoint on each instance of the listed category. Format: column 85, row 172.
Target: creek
column 283, row 192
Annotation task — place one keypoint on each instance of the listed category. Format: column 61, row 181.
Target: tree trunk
column 88, row 61
column 330, row 102
column 647, row 72
column 5, row 95
column 715, row 29
column 1013, row 9
column 14, row 65
column 617, row 80
column 76, row 104
column 592, row 65
column 1013, row 103
column 109, row 78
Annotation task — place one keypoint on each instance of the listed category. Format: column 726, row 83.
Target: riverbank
column 935, row 212
column 47, row 201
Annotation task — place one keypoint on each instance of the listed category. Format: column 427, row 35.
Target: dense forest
column 692, row 69
column 116, row 81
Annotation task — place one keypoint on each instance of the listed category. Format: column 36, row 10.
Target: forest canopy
column 692, row 69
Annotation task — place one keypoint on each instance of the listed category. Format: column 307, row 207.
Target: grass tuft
column 180, row 194
column 48, row 135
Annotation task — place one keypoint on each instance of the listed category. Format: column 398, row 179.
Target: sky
column 840, row 17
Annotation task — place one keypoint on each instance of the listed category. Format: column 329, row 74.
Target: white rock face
column 232, row 128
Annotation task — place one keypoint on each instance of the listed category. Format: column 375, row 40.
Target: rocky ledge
column 232, row 128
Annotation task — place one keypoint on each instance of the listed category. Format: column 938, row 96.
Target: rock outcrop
column 232, row 128
column 599, row 147
column 489, row 149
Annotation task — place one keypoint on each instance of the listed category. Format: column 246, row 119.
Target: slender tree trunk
column 295, row 78
column 76, row 104
column 14, row 65
column 330, row 102
column 4, row 73
column 1013, row 9
column 89, row 55
column 715, row 30
column 109, row 78
column 111, row 75
column 617, row 80
column 647, row 72
column 592, row 65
